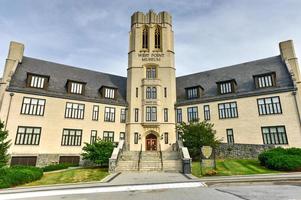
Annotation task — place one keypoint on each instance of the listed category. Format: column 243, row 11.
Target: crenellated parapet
column 151, row 18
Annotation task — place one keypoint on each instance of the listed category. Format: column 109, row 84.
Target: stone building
column 51, row 109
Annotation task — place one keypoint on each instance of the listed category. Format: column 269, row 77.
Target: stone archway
column 151, row 142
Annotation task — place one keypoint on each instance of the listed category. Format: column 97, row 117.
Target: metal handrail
column 139, row 157
column 161, row 157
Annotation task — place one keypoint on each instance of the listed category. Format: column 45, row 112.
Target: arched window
column 157, row 38
column 151, row 72
column 148, row 93
column 145, row 37
column 154, row 93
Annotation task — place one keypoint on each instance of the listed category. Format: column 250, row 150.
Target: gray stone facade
column 240, row 151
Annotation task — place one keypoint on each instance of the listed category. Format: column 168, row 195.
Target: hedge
column 54, row 167
column 18, row 175
column 281, row 159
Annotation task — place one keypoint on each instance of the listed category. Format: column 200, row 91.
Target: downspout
column 297, row 106
column 8, row 111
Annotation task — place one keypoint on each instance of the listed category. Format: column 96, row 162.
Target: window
column 151, row 113
column 157, row 38
column 151, row 72
column 74, row 111
column 230, row 136
column 28, row 135
column 192, row 93
column 192, row 114
column 23, row 160
column 136, row 114
column 37, row 81
column 274, row 135
column 72, row 137
column 136, row 137
column 33, row 106
column 226, row 87
column 76, row 88
column 166, row 138
column 269, row 106
column 109, row 114
column 136, row 92
column 227, row 110
column 109, row 93
column 151, row 92
column 265, row 80
column 122, row 136
column 108, row 136
column 165, row 92
column 206, row 112
column 122, row 115
column 95, row 113
column 179, row 115
column 145, row 37
column 165, row 115
column 93, row 136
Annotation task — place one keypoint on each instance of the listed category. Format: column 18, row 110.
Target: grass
column 71, row 176
column 231, row 167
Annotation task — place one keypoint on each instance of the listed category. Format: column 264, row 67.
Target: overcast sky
column 94, row 34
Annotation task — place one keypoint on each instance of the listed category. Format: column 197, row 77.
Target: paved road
column 271, row 191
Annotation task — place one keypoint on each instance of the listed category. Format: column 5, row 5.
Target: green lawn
column 71, row 176
column 230, row 167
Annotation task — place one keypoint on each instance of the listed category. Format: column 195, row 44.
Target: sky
column 93, row 34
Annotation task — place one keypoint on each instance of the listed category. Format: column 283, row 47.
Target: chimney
column 288, row 55
column 15, row 56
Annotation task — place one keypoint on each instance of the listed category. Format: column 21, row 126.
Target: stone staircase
column 128, row 161
column 150, row 161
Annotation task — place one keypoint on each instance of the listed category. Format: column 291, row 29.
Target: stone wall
column 240, row 150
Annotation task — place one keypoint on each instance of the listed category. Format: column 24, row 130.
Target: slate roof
column 59, row 74
column 241, row 73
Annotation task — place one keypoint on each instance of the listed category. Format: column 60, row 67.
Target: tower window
column 145, row 38
column 151, row 92
column 151, row 72
column 157, row 38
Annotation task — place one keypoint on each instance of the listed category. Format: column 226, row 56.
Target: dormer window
column 226, row 87
column 75, row 87
column 37, row 81
column 151, row 72
column 193, row 92
column 265, row 80
column 108, row 92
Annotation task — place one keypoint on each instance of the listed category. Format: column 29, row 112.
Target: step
column 170, row 155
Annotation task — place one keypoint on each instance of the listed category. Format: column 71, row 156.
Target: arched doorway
column 151, row 142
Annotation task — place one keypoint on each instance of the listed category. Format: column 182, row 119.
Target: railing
column 161, row 157
column 139, row 157
column 186, row 159
column 115, row 156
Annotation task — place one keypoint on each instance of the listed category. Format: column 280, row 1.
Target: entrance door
column 151, row 142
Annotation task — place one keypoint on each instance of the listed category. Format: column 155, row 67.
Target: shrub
column 281, row 159
column 18, row 175
column 99, row 152
column 54, row 167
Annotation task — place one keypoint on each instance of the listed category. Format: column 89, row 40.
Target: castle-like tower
column 151, row 83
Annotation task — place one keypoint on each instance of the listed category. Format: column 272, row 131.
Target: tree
column 98, row 152
column 197, row 134
column 4, row 145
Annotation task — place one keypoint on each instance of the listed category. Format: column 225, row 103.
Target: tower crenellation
column 151, row 18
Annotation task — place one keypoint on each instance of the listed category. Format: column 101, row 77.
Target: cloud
column 94, row 34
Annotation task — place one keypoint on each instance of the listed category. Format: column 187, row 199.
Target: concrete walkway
column 151, row 177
